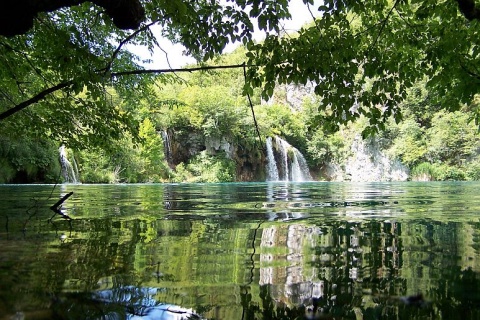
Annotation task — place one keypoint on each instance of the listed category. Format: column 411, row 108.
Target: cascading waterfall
column 285, row 162
column 167, row 146
column 272, row 169
column 283, row 146
column 300, row 167
column 69, row 171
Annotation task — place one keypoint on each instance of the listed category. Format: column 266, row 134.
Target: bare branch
column 58, row 205
column 251, row 106
column 66, row 84
column 130, row 37
column 150, row 71
column 168, row 61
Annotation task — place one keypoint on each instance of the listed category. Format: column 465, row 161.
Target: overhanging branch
column 130, row 37
column 40, row 96
column 251, row 105
column 384, row 23
column 16, row 16
column 150, row 71
column 469, row 9
column 35, row 99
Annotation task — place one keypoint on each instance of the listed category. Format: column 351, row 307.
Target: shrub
column 472, row 170
column 28, row 160
column 441, row 172
column 423, row 172
column 446, row 172
column 206, row 168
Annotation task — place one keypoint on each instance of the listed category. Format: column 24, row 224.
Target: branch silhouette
column 38, row 97
column 43, row 94
column 58, row 205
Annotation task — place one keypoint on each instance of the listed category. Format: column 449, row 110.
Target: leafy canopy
column 362, row 57
column 70, row 77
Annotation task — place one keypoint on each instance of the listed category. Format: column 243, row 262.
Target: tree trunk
column 16, row 16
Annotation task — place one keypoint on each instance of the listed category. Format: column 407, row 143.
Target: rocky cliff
column 367, row 162
column 180, row 146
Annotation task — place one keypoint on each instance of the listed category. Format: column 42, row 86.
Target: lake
column 408, row 250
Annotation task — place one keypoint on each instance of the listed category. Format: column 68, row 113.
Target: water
column 242, row 251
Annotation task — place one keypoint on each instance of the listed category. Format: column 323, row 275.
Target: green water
column 242, row 251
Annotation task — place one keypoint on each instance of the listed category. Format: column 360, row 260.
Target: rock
column 368, row 163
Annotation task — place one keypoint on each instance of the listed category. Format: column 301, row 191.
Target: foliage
column 280, row 119
column 324, row 148
column 212, row 111
column 361, row 57
column 423, row 172
column 472, row 170
column 420, row 104
column 410, row 144
column 94, row 167
column 452, row 139
column 426, row 171
column 364, row 56
column 71, row 80
column 151, row 152
column 59, row 54
column 77, row 50
column 206, row 168
column 215, row 112
column 23, row 160
column 126, row 161
column 434, row 143
column 445, row 173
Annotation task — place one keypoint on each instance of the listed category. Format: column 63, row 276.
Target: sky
column 177, row 59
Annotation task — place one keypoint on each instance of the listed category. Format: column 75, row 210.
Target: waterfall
column 167, row 146
column 69, row 171
column 283, row 152
column 272, row 170
column 285, row 162
column 300, row 167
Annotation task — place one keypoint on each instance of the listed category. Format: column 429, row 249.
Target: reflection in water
column 244, row 251
column 127, row 302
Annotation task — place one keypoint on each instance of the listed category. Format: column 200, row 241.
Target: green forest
column 402, row 75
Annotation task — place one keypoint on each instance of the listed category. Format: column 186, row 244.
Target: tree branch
column 58, row 205
column 251, row 106
column 63, row 85
column 16, row 16
column 468, row 9
column 384, row 23
column 130, row 37
column 35, row 99
column 149, row 71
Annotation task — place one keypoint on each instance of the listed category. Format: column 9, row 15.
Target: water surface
column 242, row 251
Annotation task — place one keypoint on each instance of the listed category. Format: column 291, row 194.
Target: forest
column 374, row 90
column 398, row 75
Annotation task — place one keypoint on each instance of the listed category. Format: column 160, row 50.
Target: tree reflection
column 267, row 262
column 361, row 273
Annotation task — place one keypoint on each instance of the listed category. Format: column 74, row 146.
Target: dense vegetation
column 404, row 70
column 433, row 143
